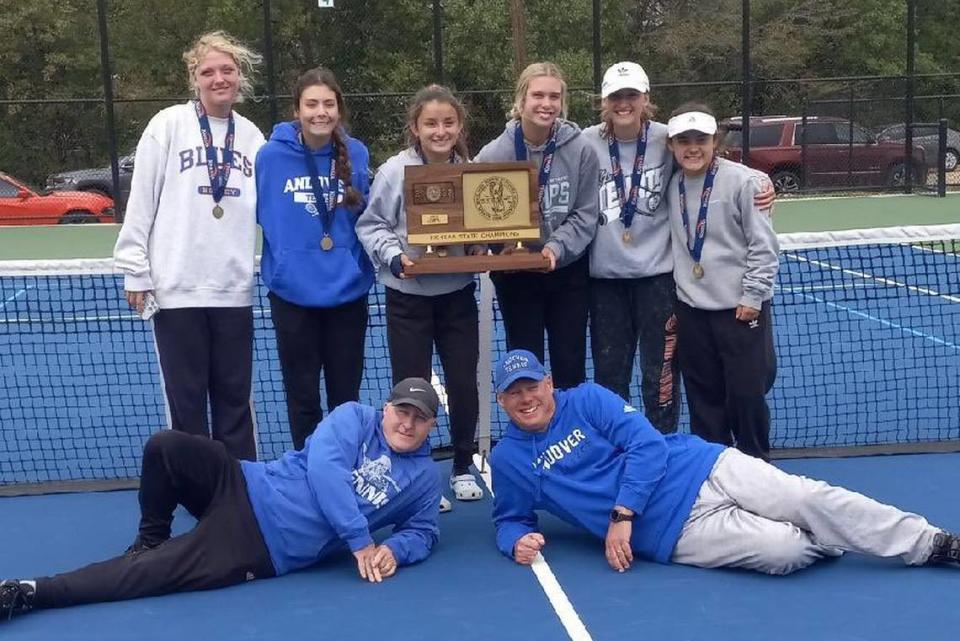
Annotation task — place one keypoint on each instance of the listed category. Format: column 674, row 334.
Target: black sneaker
column 16, row 597
column 139, row 546
column 946, row 548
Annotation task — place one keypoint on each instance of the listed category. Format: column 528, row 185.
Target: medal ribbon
column 628, row 206
column 326, row 204
column 520, row 148
column 219, row 174
column 701, row 230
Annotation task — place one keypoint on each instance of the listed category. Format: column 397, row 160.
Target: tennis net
column 867, row 327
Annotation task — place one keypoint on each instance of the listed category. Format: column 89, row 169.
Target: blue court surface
column 467, row 591
column 866, row 337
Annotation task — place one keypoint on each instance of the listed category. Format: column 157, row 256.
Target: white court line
column 19, row 293
column 877, row 279
column 558, row 599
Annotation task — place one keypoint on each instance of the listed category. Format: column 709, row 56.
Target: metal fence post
column 438, row 41
column 911, row 72
column 942, row 158
column 597, row 58
column 268, row 60
column 746, row 97
column 110, row 123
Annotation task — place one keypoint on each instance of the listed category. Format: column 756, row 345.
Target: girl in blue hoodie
column 312, row 183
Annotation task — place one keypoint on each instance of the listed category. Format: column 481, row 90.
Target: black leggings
column 414, row 324
column 225, row 547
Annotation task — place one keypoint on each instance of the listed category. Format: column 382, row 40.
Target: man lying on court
column 592, row 460
column 361, row 470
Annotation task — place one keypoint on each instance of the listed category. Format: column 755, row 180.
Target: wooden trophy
column 472, row 204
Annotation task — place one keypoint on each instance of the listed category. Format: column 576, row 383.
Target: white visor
column 692, row 121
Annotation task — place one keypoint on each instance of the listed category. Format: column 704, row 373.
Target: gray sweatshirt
column 739, row 256
column 568, row 221
column 648, row 252
column 382, row 228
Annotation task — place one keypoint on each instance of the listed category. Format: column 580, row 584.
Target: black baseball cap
column 417, row 392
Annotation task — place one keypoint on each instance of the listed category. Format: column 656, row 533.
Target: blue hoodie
column 294, row 267
column 596, row 453
column 344, row 484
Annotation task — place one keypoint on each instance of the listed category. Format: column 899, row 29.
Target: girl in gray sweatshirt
column 428, row 309
column 724, row 264
column 555, row 301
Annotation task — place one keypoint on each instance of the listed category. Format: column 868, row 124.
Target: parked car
column 21, row 205
column 99, row 179
column 927, row 136
column 838, row 153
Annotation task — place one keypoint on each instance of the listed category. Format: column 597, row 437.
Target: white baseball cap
column 692, row 121
column 624, row 75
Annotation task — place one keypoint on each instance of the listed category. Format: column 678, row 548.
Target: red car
column 839, row 153
column 20, row 205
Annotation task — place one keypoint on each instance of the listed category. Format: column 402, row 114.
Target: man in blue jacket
column 589, row 458
column 361, row 470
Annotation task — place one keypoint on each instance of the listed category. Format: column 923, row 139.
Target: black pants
column 728, row 367
column 225, row 548
column 557, row 301
column 624, row 311
column 208, row 351
column 414, row 325
column 315, row 339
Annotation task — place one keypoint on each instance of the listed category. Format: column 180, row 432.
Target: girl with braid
column 312, row 184
column 430, row 309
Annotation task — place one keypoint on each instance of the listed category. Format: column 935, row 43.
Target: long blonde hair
column 246, row 60
column 536, row 70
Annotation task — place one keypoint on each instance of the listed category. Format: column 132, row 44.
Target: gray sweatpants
column 750, row 514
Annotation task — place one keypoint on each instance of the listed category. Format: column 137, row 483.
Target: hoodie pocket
column 318, row 278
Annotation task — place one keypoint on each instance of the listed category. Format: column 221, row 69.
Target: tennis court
column 869, row 355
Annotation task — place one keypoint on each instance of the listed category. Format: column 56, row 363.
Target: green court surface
column 810, row 214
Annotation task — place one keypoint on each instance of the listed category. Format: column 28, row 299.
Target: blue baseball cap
column 517, row 364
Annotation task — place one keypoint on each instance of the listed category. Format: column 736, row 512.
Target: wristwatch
column 617, row 516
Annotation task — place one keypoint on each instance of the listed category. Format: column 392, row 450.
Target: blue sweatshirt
column 294, row 266
column 596, row 453
column 344, row 484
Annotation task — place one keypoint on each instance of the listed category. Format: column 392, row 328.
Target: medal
column 324, row 204
column 628, row 202
column 627, row 237
column 219, row 174
column 700, row 228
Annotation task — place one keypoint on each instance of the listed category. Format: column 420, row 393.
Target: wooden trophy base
column 433, row 264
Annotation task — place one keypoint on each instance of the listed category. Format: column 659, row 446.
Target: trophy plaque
column 472, row 204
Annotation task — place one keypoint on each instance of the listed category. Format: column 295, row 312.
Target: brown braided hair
column 321, row 76
column 441, row 94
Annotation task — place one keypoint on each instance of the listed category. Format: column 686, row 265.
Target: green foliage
column 51, row 52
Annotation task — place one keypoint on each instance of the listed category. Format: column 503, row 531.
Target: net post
column 485, row 366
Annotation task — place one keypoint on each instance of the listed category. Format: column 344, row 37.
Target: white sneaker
column 465, row 487
column 445, row 504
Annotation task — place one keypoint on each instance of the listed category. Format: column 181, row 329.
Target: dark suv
column 99, row 180
column 839, row 153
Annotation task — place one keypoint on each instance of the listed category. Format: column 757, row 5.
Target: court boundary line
column 564, row 609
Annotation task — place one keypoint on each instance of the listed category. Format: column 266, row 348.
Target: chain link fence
column 78, row 83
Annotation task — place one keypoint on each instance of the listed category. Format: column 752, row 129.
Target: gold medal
column 697, row 270
column 326, row 244
column 627, row 237
column 217, row 212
